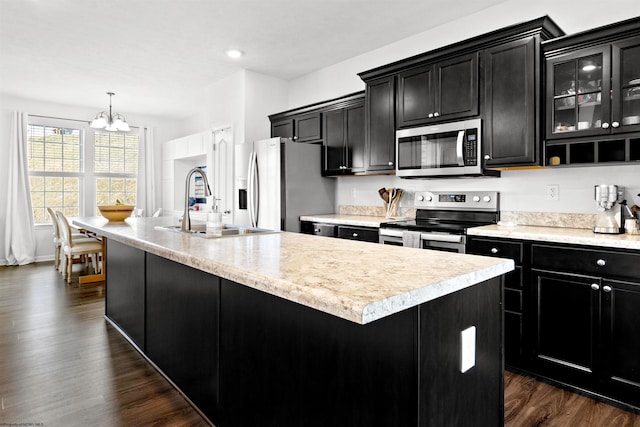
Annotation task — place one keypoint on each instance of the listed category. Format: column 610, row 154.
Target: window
column 116, row 167
column 73, row 168
column 55, row 169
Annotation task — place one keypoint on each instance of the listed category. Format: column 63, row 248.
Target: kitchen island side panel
column 475, row 397
column 283, row 364
column 125, row 290
column 182, row 329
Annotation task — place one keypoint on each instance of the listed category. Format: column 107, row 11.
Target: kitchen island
column 285, row 329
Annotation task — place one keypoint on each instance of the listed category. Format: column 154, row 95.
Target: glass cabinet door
column 580, row 84
column 626, row 85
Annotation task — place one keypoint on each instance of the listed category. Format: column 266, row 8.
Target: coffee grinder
column 609, row 217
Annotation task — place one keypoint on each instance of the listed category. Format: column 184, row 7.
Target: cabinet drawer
column 357, row 233
column 586, row 261
column 496, row 248
column 318, row 229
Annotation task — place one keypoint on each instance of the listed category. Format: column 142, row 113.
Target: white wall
column 520, row 190
column 163, row 130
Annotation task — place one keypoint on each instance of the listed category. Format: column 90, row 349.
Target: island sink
column 227, row 230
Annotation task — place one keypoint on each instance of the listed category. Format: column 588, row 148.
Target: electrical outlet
column 553, row 192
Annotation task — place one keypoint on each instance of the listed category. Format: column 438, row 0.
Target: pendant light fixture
column 109, row 121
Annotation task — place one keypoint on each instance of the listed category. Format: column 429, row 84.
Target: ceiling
column 158, row 55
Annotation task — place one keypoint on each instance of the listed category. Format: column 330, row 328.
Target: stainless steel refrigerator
column 277, row 181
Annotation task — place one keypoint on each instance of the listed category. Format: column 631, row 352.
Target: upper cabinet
column 593, row 95
column 578, row 84
column 512, row 88
column 440, row 91
column 380, row 125
column 343, row 144
column 300, row 128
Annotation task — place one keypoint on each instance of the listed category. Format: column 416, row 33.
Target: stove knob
column 420, row 198
column 429, row 198
column 476, row 199
column 486, row 199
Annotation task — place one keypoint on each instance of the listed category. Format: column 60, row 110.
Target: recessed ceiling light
column 234, row 53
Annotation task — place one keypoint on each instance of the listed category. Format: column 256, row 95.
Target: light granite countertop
column 577, row 236
column 354, row 220
column 353, row 280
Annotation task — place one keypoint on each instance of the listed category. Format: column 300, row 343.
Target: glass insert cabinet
column 594, row 91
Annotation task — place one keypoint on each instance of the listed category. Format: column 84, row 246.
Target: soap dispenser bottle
column 214, row 219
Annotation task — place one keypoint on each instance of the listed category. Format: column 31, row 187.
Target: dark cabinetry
column 364, row 234
column 318, row 229
column 284, row 364
column 585, row 304
column 514, row 288
column 380, row 125
column 344, row 138
column 512, row 92
column 435, row 92
column 593, row 95
column 125, row 299
column 300, row 128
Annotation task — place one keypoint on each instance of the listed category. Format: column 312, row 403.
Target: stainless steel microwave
column 448, row 149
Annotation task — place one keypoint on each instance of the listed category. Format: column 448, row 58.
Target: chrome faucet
column 186, row 221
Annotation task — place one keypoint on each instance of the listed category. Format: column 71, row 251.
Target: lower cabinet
column 182, row 328
column 514, row 291
column 571, row 315
column 364, row 234
column 586, row 318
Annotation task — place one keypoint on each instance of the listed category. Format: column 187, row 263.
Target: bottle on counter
column 214, row 220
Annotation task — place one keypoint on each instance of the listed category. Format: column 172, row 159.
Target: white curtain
column 20, row 234
column 146, row 191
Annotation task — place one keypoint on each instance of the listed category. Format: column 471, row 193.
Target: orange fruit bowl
column 116, row 213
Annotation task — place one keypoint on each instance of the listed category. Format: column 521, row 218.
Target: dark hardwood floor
column 62, row 364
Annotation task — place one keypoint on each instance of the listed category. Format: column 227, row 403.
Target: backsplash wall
column 523, row 190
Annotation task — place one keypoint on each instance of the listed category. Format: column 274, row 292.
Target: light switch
column 468, row 349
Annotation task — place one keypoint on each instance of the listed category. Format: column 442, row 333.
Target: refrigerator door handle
column 253, row 189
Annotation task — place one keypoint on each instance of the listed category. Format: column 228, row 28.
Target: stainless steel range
column 442, row 219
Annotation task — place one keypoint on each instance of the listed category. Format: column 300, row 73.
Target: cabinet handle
column 487, row 157
column 317, row 230
column 294, row 138
column 390, row 163
column 615, row 124
column 601, row 262
column 494, row 250
column 436, row 114
column 430, row 115
column 595, row 286
column 606, row 288
column 355, row 234
column 605, row 125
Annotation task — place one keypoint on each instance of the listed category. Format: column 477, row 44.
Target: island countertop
column 357, row 281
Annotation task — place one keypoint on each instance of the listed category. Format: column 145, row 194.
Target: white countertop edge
column 398, row 303
column 575, row 236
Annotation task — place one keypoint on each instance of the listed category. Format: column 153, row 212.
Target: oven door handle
column 459, row 145
column 390, row 232
column 441, row 237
